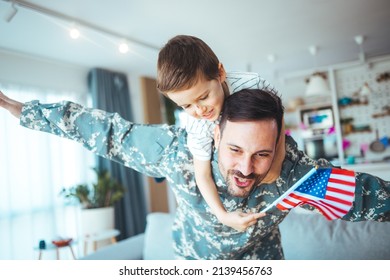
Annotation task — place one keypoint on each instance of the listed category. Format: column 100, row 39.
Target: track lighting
column 11, row 14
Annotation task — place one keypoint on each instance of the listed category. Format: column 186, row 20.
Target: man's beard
column 235, row 191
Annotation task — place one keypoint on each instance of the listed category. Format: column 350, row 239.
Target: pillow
column 308, row 237
column 158, row 244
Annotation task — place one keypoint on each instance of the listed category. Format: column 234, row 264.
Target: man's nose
column 246, row 166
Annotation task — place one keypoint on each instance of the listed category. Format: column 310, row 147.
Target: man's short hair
column 183, row 61
column 252, row 105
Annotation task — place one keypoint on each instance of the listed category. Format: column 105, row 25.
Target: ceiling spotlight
column 11, row 14
column 123, row 47
column 74, row 33
column 271, row 58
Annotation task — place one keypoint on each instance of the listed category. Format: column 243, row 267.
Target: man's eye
column 234, row 150
column 262, row 155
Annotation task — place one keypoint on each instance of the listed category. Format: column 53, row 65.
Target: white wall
column 30, row 71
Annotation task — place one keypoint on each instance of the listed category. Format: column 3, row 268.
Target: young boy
column 190, row 74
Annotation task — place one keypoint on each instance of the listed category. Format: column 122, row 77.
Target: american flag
column 330, row 190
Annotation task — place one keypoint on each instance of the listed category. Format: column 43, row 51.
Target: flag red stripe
column 343, row 172
column 281, row 207
column 335, row 207
column 322, row 206
column 336, row 190
column 336, row 199
column 301, row 198
column 287, row 201
column 341, row 182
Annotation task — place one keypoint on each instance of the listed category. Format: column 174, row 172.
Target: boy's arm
column 238, row 220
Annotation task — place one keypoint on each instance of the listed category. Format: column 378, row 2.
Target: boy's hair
column 183, row 61
column 252, row 105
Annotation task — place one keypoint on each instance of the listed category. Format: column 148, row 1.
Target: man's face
column 245, row 153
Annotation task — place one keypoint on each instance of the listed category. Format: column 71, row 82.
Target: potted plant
column 104, row 193
column 97, row 201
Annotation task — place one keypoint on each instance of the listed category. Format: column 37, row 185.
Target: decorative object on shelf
column 346, row 144
column 365, row 90
column 104, row 193
column 385, row 112
column 383, row 77
column 42, row 244
column 317, row 82
column 294, row 104
column 363, row 149
column 355, row 100
column 377, row 146
column 62, row 242
column 56, row 245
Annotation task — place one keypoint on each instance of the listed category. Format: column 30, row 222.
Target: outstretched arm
column 13, row 106
column 144, row 148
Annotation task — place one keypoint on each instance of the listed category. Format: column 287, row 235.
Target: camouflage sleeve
column 372, row 199
column 141, row 147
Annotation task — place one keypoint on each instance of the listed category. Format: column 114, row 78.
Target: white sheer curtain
column 34, row 167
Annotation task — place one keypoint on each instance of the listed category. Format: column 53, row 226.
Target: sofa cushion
column 158, row 237
column 311, row 236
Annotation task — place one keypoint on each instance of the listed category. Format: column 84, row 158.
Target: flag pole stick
column 297, row 184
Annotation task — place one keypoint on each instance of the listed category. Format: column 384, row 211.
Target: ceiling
column 242, row 33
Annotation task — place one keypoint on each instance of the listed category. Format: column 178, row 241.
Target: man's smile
column 242, row 182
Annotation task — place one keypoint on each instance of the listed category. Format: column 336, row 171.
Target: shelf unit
column 345, row 81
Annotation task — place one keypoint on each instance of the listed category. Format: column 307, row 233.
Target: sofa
column 305, row 236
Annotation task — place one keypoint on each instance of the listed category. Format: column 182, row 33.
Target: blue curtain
column 110, row 92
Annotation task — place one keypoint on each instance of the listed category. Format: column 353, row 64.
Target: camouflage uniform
column 161, row 151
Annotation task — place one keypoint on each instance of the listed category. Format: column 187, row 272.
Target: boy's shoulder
column 241, row 74
column 238, row 80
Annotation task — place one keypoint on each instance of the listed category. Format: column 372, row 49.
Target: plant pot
column 94, row 221
column 97, row 219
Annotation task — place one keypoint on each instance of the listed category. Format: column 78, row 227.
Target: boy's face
column 202, row 101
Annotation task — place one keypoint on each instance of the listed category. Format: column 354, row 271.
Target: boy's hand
column 13, row 106
column 238, row 220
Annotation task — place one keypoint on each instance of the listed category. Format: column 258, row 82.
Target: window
column 34, row 167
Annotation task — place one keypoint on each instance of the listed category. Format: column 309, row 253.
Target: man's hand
column 240, row 221
column 13, row 106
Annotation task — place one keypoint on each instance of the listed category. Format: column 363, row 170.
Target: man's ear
column 217, row 136
column 222, row 73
